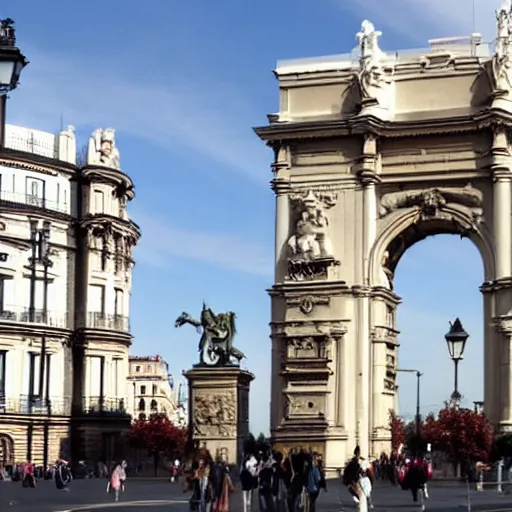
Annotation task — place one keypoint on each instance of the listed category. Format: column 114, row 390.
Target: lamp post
column 40, row 254
column 418, row 413
column 456, row 339
column 12, row 62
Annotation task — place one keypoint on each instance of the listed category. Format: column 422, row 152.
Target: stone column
column 368, row 176
column 502, row 204
column 504, row 368
column 282, row 228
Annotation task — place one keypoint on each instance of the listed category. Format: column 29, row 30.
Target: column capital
column 368, row 177
column 501, row 174
column 280, row 186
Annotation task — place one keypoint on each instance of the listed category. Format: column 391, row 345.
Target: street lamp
column 456, row 340
column 12, row 62
column 418, row 413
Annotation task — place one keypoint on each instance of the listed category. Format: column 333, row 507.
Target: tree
column 397, row 427
column 158, row 435
column 462, row 434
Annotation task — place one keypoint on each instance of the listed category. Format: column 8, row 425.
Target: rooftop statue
column 7, row 32
column 217, row 333
column 102, row 149
column 374, row 78
column 502, row 60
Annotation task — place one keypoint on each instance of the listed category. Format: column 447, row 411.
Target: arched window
column 142, row 405
column 154, row 406
column 142, row 416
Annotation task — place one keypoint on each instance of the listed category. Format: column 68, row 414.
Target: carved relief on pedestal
column 310, row 246
column 307, row 303
column 214, row 415
column 304, row 405
column 431, row 202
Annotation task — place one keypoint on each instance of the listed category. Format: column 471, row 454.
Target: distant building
column 151, row 390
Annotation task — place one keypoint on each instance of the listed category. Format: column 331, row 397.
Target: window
column 96, row 299
column 35, row 191
column 118, row 304
column 137, row 369
column 154, row 389
column 143, row 390
column 154, row 406
column 99, row 201
column 142, row 405
column 142, row 416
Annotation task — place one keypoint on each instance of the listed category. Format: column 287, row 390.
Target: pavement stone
column 158, row 495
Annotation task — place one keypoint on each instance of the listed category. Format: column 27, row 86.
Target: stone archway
column 6, row 450
column 370, row 157
column 405, row 227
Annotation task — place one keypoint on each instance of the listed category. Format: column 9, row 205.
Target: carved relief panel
column 310, row 249
column 305, row 405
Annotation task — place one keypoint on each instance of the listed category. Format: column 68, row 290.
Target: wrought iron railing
column 21, row 201
column 97, row 405
column 26, row 404
column 22, row 314
column 104, row 321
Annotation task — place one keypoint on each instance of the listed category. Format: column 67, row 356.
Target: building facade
column 375, row 151
column 65, row 281
column 151, row 390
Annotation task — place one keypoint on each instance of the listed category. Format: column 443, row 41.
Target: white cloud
column 161, row 242
column 420, row 20
column 203, row 117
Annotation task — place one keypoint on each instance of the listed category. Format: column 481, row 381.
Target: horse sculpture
column 217, row 333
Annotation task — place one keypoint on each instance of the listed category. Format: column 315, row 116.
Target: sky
column 183, row 83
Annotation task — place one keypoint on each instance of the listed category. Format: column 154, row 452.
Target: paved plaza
column 159, row 495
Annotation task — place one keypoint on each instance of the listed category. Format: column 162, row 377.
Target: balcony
column 22, row 315
column 24, row 404
column 101, row 406
column 20, row 201
column 104, row 321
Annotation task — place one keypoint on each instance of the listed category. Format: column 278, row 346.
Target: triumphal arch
column 374, row 151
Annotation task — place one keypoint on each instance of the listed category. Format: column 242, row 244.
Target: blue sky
column 183, row 83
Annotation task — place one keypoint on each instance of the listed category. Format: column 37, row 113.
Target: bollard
column 500, row 476
column 480, row 483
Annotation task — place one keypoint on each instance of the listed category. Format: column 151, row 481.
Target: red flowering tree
column 397, row 428
column 462, row 434
column 158, row 435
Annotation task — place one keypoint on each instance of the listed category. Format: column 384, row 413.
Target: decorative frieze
column 307, row 303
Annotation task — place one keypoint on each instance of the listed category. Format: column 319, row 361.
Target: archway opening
column 438, row 278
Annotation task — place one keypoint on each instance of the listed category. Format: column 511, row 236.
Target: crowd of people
column 268, row 481
column 411, row 473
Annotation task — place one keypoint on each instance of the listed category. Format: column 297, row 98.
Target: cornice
column 101, row 173
column 97, row 220
column 364, row 125
column 296, row 288
column 34, row 211
column 38, row 163
column 29, row 330
column 108, row 336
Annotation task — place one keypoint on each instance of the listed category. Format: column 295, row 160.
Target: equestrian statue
column 217, row 333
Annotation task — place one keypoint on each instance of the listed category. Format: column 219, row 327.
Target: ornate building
column 65, row 281
column 375, row 151
column 151, row 390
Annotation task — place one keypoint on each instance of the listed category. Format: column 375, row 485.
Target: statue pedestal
column 219, row 409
